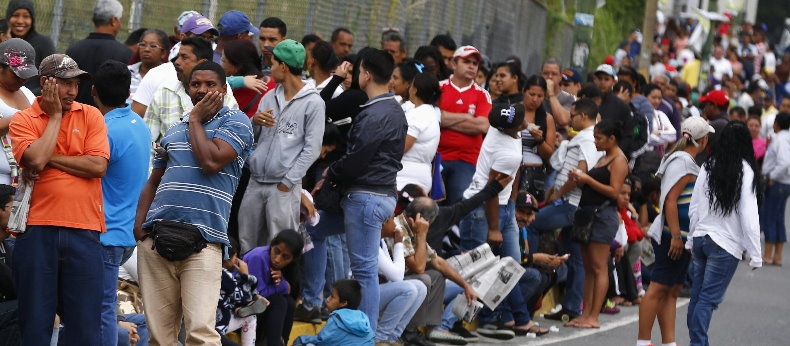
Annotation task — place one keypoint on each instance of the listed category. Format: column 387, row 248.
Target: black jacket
column 375, row 147
column 450, row 215
column 90, row 53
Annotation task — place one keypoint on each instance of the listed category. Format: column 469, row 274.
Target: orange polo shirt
column 59, row 198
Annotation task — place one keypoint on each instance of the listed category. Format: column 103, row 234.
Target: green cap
column 290, row 52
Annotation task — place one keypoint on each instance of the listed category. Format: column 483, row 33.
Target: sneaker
column 302, row 314
column 445, row 337
column 458, row 328
column 609, row 308
column 494, row 331
column 562, row 315
column 324, row 313
column 415, row 338
column 256, row 307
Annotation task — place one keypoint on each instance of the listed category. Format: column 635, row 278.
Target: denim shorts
column 667, row 271
column 605, row 225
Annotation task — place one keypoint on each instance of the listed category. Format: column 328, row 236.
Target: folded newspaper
column 465, row 311
column 491, row 277
column 17, row 222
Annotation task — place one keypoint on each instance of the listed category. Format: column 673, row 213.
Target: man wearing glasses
column 100, row 45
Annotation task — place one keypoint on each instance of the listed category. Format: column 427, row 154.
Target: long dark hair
column 725, row 167
column 293, row 271
column 514, row 68
column 243, row 55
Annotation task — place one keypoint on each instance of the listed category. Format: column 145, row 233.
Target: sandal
column 538, row 330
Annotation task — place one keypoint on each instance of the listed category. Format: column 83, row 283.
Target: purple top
column 259, row 264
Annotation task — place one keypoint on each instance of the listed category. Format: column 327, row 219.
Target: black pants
column 274, row 324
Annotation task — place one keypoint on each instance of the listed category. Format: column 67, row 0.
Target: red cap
column 716, row 97
column 467, row 51
column 665, row 41
column 609, row 60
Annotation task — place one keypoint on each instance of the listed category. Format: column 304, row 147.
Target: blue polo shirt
column 189, row 195
column 127, row 171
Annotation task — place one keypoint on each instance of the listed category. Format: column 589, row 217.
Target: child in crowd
column 277, row 268
column 346, row 325
column 239, row 301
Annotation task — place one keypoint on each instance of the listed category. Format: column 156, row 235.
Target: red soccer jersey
column 472, row 99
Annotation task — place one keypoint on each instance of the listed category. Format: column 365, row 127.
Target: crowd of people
column 182, row 188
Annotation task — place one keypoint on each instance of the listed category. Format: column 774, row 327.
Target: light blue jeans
column 474, row 230
column 451, row 290
column 337, row 262
column 364, row 213
column 712, row 269
column 315, row 260
column 399, row 301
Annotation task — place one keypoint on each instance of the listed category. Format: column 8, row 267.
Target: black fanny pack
column 176, row 241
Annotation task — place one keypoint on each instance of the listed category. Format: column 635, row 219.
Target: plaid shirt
column 171, row 102
column 408, row 235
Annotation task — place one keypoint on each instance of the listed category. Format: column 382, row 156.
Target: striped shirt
column 580, row 148
column 188, row 194
column 684, row 200
column 171, row 101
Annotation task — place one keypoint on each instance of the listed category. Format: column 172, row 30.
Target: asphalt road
column 755, row 311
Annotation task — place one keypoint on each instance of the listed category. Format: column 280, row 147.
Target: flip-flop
column 538, row 330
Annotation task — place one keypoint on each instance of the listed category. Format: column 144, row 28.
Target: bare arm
column 561, row 115
column 85, row 166
column 419, row 260
column 4, row 123
column 670, row 210
column 409, row 142
column 464, row 123
column 38, row 153
column 492, row 214
column 546, row 148
column 212, row 155
column 139, row 108
column 440, row 265
column 146, row 198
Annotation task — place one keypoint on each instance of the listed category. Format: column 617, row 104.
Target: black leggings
column 274, row 324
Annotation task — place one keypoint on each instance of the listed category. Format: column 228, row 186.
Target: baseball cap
column 198, row 25
column 182, row 18
column 606, row 69
column 20, row 56
column 571, row 75
column 695, row 127
column 290, row 52
column 234, row 23
column 505, row 116
column 716, row 97
column 526, row 200
column 467, row 51
column 61, row 66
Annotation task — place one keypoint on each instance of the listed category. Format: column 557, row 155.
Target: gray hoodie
column 283, row 153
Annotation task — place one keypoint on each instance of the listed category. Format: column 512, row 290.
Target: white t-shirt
column 721, row 67
column 424, row 127
column 153, row 80
column 7, row 111
column 499, row 152
column 339, row 90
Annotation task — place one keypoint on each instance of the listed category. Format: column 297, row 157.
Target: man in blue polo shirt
column 127, row 171
column 186, row 205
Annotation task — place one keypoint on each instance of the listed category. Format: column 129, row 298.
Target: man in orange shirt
column 62, row 145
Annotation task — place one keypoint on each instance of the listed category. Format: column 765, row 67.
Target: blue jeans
column 474, row 230
column 364, row 213
column 451, row 290
column 556, row 215
column 457, row 176
column 772, row 216
column 62, row 272
column 315, row 260
column 574, row 280
column 399, row 301
column 515, row 308
column 142, row 328
column 712, row 269
column 113, row 257
column 337, row 262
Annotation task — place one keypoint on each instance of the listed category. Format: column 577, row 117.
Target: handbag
column 328, row 197
column 176, row 241
column 582, row 222
column 17, row 221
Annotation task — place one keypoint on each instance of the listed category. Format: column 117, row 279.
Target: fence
column 499, row 28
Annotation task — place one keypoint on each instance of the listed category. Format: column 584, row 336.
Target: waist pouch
column 176, row 241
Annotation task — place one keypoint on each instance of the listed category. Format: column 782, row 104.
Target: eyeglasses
column 142, row 45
